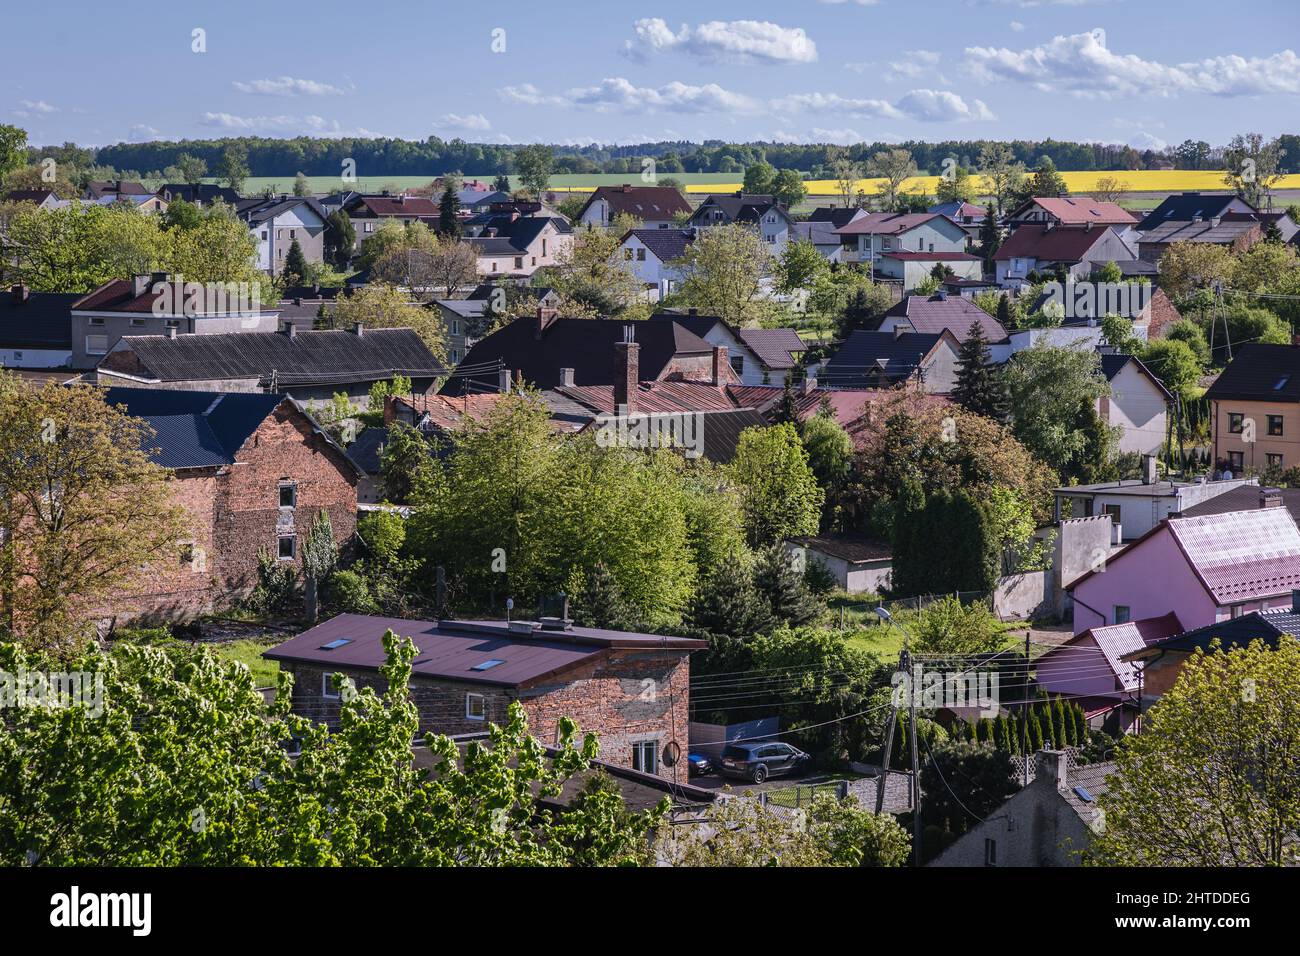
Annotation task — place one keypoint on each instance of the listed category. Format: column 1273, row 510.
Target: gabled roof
column 1112, row 363
column 118, row 295
column 476, row 198
column 953, row 313
column 958, row 208
column 1246, row 498
column 889, row 223
column 42, row 320
column 202, row 192
column 864, row 356
column 1076, row 211
column 775, row 348
column 540, row 348
column 740, row 207
column 1237, row 556
column 654, row 397
column 1223, row 232
column 1231, row 634
column 1114, row 642
column 1184, row 207
column 855, row 549
column 327, row 356
column 818, row 232
column 457, row 650
column 97, row 188
column 647, row 203
column 407, row 206
column 255, row 211
column 1260, row 372
column 836, row 216
column 515, row 236
column 1048, row 243
column 665, row 244
column 37, row 196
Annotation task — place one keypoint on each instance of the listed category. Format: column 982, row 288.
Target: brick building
column 252, row 470
column 632, row 690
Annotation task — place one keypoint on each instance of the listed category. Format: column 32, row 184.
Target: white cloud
column 718, row 41
column 842, row 137
column 310, row 125
column 1145, row 140
column 1082, row 65
column 143, row 133
column 1016, row 26
column 29, row 108
column 914, row 63
column 928, row 106
column 287, row 86
column 472, row 122
column 617, row 94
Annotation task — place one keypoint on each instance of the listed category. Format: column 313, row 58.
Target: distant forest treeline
column 434, row 156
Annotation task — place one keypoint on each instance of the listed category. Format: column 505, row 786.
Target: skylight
column 1083, row 794
column 1281, row 382
column 336, row 644
column 487, row 665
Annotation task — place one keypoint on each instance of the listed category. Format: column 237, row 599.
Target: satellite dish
column 672, row 753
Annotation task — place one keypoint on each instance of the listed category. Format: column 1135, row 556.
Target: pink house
column 1090, row 668
column 1206, row 569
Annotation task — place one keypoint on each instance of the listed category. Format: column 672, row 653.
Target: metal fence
column 801, row 795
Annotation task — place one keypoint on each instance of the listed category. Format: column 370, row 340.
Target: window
column 1236, row 461
column 519, row 262
column 1123, row 614
column 645, row 756
column 1234, row 422
column 97, row 321
column 455, row 356
column 286, row 546
column 327, row 687
column 18, row 356
column 738, row 364
column 990, row 852
column 288, row 494
column 1113, row 511
column 264, row 235
column 1274, row 461
column 1275, row 424
column 475, row 707
column 96, row 344
column 139, row 324
column 640, row 255
column 370, row 227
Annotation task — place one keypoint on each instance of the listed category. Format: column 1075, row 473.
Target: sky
column 1142, row 72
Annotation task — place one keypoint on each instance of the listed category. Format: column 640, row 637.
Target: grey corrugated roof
column 328, row 356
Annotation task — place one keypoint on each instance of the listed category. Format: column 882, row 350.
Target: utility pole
column 905, row 664
column 1024, row 711
column 889, row 744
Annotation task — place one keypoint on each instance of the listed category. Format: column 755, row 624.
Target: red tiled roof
column 1075, row 211
column 1058, row 244
column 652, row 203
column 400, row 206
column 656, row 397
column 1115, row 641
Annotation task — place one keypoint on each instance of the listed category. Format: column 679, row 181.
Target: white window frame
column 482, row 704
column 326, row 689
column 639, row 749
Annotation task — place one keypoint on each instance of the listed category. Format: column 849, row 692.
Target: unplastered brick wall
column 622, row 697
column 235, row 514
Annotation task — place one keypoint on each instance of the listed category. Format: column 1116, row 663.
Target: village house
column 1160, row 663
column 514, row 245
column 113, row 189
column 35, row 328
column 41, row 198
column 367, row 211
column 1093, row 669
column 654, row 257
column 1050, row 822
column 1192, row 207
column 655, row 207
column 541, row 350
column 930, row 315
column 823, row 235
column 868, row 360
column 1206, row 569
column 165, row 306
column 1236, row 232
column 757, row 356
column 906, row 247
column 277, row 223
column 759, row 211
column 1048, row 249
column 252, row 471
column 631, row 689
column 1138, row 404
column 1071, row 211
column 858, row 564
column 1255, row 409
column 310, row 366
column 198, row 194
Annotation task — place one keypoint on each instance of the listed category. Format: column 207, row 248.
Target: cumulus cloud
column 927, row 106
column 618, row 94
column 143, row 133
column 1081, row 64
column 287, row 86
column 471, row 122
column 841, row 137
column 1144, row 140
column 719, row 41
column 29, row 108
column 1016, row 26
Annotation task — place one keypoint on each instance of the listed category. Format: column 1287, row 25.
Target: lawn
column 863, row 629
column 248, row 651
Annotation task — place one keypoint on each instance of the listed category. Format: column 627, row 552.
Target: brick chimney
column 809, row 383
column 719, row 364
column 1270, row 497
column 1052, row 768
column 545, row 318
column 900, row 330
column 627, row 371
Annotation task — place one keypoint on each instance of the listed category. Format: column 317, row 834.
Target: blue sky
column 1145, row 72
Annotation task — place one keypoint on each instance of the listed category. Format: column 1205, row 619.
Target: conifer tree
column 601, row 602
column 786, row 411
column 295, row 264
column 448, row 221
column 980, row 386
column 729, row 605
column 1006, row 317
column 783, row 587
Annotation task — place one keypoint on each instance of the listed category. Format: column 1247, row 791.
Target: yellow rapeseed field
column 1135, row 181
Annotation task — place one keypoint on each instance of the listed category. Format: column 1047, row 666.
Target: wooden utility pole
column 1024, row 711
column 889, row 745
column 916, row 768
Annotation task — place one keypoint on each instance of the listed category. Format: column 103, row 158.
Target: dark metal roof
column 852, row 548
column 1112, row 363
column 540, row 350
column 954, row 313
column 1234, row 633
column 1054, row 244
column 327, row 356
column 450, row 650
column 1245, row 498
column 666, row 244
column 195, row 429
column 43, row 320
column 202, row 192
column 1185, row 207
column 1259, row 372
column 865, row 356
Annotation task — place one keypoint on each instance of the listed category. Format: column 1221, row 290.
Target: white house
column 1138, row 404
column 906, row 247
column 654, row 257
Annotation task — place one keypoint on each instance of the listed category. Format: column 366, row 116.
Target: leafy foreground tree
column 184, row 765
column 829, row 833
column 1214, row 777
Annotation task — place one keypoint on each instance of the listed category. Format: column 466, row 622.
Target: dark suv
column 758, row 761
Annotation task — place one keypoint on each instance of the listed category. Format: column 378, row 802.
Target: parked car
column 698, row 765
column 758, row 761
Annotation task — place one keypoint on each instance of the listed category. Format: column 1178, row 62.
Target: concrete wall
column 709, row 739
column 1025, row 595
